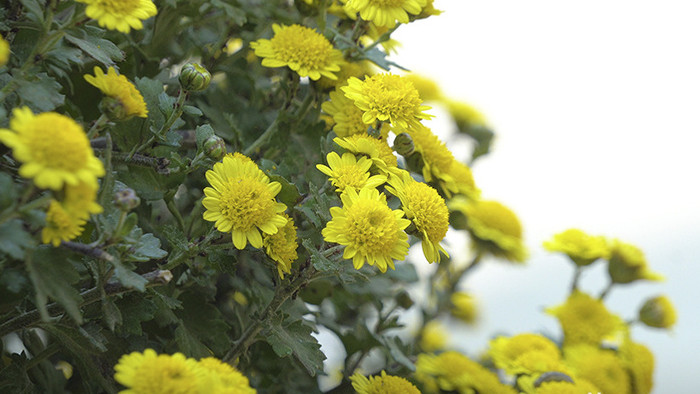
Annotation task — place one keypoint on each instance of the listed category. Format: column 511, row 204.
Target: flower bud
column 403, row 145
column 215, row 148
column 658, row 312
column 194, row 77
column 463, row 307
column 126, row 199
column 628, row 264
column 113, row 108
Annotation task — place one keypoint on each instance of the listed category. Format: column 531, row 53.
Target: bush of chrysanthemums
column 189, row 190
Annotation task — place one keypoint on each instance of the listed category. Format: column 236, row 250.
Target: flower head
column 384, row 384
column 369, row 229
column 221, row 378
column 81, row 199
column 639, row 361
column 387, row 97
column 601, row 367
column 300, row 48
column 349, row 172
column 466, row 115
column 493, row 227
column 357, row 69
column 433, row 337
column 282, row 246
column 463, row 307
column 586, row 320
column 582, row 249
column 242, row 200
column 658, row 312
column 628, row 264
column 347, row 117
column 121, row 15
column 385, row 13
column 4, row 51
column 152, row 373
column 377, row 149
column 427, row 88
column 452, row 371
column 509, row 353
column 54, row 149
column 61, row 225
column 426, row 210
column 129, row 101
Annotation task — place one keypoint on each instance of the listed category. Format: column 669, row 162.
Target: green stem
column 97, row 126
column 577, row 276
column 606, row 291
column 184, row 256
column 271, row 129
column 170, row 203
column 160, row 134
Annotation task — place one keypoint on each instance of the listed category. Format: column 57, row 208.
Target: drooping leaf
column 14, row 240
column 296, row 339
column 53, row 275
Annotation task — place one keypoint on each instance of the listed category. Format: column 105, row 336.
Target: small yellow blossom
column 582, row 249
column 282, row 246
column 346, row 116
column 53, row 148
column 300, row 48
column 121, row 15
column 152, row 373
column 4, row 51
column 242, row 200
column 639, row 362
column 357, row 69
column 658, row 312
column 507, row 352
column 384, row 384
column 427, row 88
column 129, row 100
column 370, row 230
column 349, row 172
column 466, row 115
column 433, row 337
column 221, row 378
column 452, row 371
column 386, row 13
column 586, row 320
column 628, row 264
column 601, row 367
column 376, row 149
column 61, row 225
column 463, row 307
column 81, row 199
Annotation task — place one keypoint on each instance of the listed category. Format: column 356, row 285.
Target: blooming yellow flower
column 507, row 352
column 346, row 116
column 601, row 367
column 221, row 378
column 384, row 384
column 582, row 249
column 152, row 373
column 387, row 97
column 639, row 361
column 81, row 199
column 586, row 320
column 4, row 51
column 369, row 229
column 465, row 114
column 628, row 264
column 463, row 307
column 242, row 200
column 376, row 149
column 426, row 210
column 61, row 225
column 433, row 337
column 533, row 367
column 282, row 246
column 658, row 312
column 494, row 228
column 386, row 13
column 121, row 15
column 427, row 88
column 347, row 69
column 300, row 48
column 54, row 149
column 580, row 386
column 349, row 172
column 129, row 99
column 452, row 371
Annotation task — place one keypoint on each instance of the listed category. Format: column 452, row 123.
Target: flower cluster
column 121, row 15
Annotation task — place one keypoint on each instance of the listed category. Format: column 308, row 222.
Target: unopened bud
column 126, row 199
column 658, row 312
column 215, row 148
column 403, row 145
column 194, row 77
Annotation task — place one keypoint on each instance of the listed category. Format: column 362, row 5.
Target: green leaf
column 14, row 240
column 188, row 344
column 397, row 351
column 296, row 339
column 35, row 10
column 52, row 275
column 8, row 195
column 204, row 321
column 41, row 94
column 202, row 133
column 104, row 51
column 111, row 313
column 150, row 90
column 127, row 277
column 135, row 310
column 147, row 248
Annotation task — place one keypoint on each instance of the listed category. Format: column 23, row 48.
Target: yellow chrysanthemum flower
column 586, row 320
column 465, row 114
column 580, row 386
column 386, row 13
column 427, row 88
column 601, row 367
column 428, row 10
column 376, row 149
column 452, row 371
column 53, row 148
column 350, row 172
column 639, row 361
column 582, row 249
column 347, row 69
column 242, row 200
column 369, row 229
column 384, row 384
column 152, row 373
column 532, row 367
column 61, row 225
column 387, row 97
column 282, row 246
column 426, row 210
column 433, row 337
column 81, row 199
column 129, row 101
column 628, row 264
column 121, row 15
column 494, row 228
column 507, row 352
column 346, row 116
column 300, row 48
column 221, row 378
column 4, row 51
column 658, row 312
column 463, row 307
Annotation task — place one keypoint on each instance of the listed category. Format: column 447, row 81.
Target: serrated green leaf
column 150, row 90
column 111, row 313
column 35, row 10
column 41, row 94
column 147, row 248
column 188, row 344
column 104, row 51
column 296, row 339
column 135, row 310
column 8, row 195
column 127, row 277
column 53, row 275
column 14, row 240
column 204, row 321
column 202, row 133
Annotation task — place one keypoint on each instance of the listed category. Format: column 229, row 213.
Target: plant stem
column 271, row 129
column 606, row 290
column 97, row 126
column 177, row 112
column 574, row 281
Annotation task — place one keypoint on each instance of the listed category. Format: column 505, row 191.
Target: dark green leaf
column 14, row 240
column 202, row 133
column 41, row 94
column 296, row 339
column 52, row 275
column 135, row 310
column 102, row 50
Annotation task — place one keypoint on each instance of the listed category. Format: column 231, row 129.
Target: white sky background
column 596, row 107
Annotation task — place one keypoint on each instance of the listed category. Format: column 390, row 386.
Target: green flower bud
column 658, row 312
column 113, row 108
column 215, row 148
column 403, row 145
column 194, row 77
column 126, row 199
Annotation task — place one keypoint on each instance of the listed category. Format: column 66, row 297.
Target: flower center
column 390, row 385
column 429, row 210
column 372, row 227
column 392, row 96
column 163, row 375
column 301, row 45
column 247, row 202
column 351, row 175
column 119, row 7
column 57, row 142
column 388, row 3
